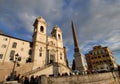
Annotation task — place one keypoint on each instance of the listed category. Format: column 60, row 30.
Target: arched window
column 40, row 54
column 41, row 28
column 30, row 52
column 14, row 45
column 12, row 53
column 59, row 36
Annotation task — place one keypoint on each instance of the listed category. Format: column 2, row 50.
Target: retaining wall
column 101, row 78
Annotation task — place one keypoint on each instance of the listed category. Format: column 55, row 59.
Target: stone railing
column 35, row 70
column 99, row 78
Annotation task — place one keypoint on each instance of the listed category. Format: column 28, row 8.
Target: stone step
column 11, row 82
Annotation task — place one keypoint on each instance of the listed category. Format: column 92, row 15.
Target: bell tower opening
column 41, row 29
column 57, row 33
column 59, row 37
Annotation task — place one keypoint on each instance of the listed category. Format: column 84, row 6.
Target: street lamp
column 15, row 61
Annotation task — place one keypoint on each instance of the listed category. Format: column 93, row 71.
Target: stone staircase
column 27, row 69
column 32, row 72
column 43, row 70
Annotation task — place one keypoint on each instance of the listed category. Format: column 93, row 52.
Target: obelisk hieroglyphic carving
column 78, row 58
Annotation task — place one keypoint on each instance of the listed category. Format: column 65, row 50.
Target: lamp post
column 15, row 61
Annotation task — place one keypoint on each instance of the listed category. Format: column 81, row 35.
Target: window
column 40, row 54
column 51, row 58
column 92, row 58
column 59, row 36
column 1, row 56
column 30, row 52
column 14, row 45
column 107, row 55
column 12, row 53
column 28, row 60
column 4, row 46
column 99, row 56
column 105, row 50
column 41, row 28
column 5, row 39
column 109, row 60
column 31, row 44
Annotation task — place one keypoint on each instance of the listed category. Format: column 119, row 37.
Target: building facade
column 10, row 46
column 100, row 58
column 43, row 52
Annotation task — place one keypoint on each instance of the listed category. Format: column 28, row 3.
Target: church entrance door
column 52, row 58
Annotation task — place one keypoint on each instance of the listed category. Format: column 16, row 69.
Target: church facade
column 46, row 53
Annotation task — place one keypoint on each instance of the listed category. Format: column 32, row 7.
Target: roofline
column 14, row 37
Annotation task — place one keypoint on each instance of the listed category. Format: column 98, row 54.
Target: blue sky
column 97, row 21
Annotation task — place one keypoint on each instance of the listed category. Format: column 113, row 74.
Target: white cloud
column 96, row 21
column 23, row 13
column 103, row 23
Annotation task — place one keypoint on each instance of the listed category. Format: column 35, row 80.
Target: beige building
column 46, row 54
column 100, row 58
column 9, row 46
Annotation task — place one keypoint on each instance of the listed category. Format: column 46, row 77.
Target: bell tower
column 57, row 34
column 39, row 42
column 60, row 50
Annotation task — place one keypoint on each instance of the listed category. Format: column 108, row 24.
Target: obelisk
column 78, row 57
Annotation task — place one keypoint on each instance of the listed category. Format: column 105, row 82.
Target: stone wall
column 6, row 68
column 101, row 78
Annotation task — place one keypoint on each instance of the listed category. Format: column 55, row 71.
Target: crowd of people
column 31, row 80
column 25, row 79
